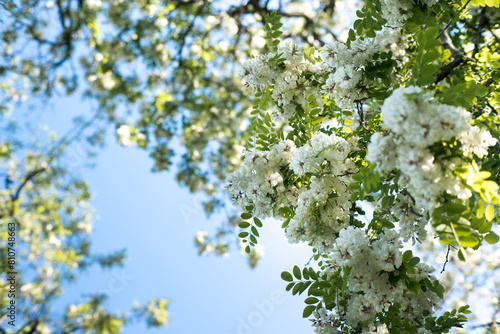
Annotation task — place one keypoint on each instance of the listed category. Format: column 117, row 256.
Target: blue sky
column 146, row 214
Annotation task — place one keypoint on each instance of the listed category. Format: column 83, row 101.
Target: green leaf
column 480, row 209
column 276, row 26
column 313, row 274
column 296, row 272
column 414, row 287
column 277, row 34
column 485, row 227
column 460, row 255
column 354, row 186
column 246, row 215
column 470, row 241
column 310, row 52
column 407, row 256
column 243, row 234
column 387, row 224
column 244, row 224
column 427, row 79
column 308, row 311
column 315, row 292
column 430, row 56
column 491, row 238
column 352, row 35
column 481, row 90
column 414, row 261
column 347, row 113
column 462, row 309
column 455, row 208
column 305, row 273
column 297, row 288
column 490, row 212
column 257, row 222
column 286, row 276
column 311, row 300
column 304, row 287
column 324, row 284
column 446, row 238
column 483, row 3
column 387, row 201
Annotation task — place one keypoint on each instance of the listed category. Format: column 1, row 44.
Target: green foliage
column 48, row 209
column 273, row 32
column 370, row 20
column 162, row 71
column 439, row 58
column 251, row 233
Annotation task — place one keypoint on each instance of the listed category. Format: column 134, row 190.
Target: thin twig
column 361, row 114
column 445, row 262
column 451, row 20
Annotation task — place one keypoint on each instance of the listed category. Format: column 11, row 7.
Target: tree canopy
column 370, row 130
column 123, row 57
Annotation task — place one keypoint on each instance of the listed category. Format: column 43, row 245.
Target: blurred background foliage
column 162, row 75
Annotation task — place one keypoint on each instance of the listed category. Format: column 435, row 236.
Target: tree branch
column 483, row 20
column 449, row 23
column 14, row 197
column 362, row 120
column 445, row 262
column 458, row 56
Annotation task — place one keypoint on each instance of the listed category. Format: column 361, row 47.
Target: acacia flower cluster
column 396, row 12
column 290, row 87
column 321, row 200
column 415, row 123
column 368, row 262
column 346, row 83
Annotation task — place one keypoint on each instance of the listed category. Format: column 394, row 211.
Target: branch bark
column 458, row 57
